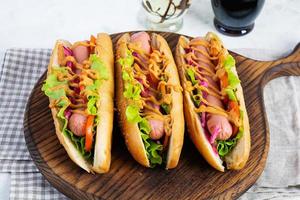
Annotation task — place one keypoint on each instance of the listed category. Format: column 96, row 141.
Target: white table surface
column 37, row 24
column 34, row 23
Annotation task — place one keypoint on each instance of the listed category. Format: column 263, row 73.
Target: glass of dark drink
column 236, row 17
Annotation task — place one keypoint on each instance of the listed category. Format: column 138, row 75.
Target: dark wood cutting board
column 192, row 179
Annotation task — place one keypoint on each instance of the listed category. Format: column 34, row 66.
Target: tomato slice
column 224, row 81
column 89, row 132
column 234, row 111
column 234, row 106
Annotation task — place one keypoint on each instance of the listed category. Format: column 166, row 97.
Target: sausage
column 214, row 121
column 218, row 121
column 81, row 53
column 157, row 129
column 143, row 39
column 77, row 124
column 153, row 105
column 157, row 126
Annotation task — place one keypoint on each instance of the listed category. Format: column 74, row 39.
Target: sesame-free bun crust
column 105, row 105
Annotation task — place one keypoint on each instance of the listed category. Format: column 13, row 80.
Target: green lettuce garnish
column 99, row 66
column 144, row 126
column 152, row 148
column 92, row 90
column 50, row 83
column 48, row 89
column 79, row 143
column 231, row 94
column 191, row 75
column 133, row 114
column 225, row 146
column 125, row 76
column 132, row 91
column 91, row 105
column 93, row 97
column 93, row 87
column 128, row 60
column 229, row 64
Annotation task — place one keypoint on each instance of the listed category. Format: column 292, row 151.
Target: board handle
column 285, row 69
column 287, row 66
column 254, row 71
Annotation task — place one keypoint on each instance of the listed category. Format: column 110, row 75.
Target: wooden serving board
column 192, row 179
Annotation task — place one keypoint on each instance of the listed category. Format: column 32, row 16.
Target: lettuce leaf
column 93, row 97
column 153, row 150
column 132, row 91
column 126, row 76
column 128, row 60
column 233, row 79
column 91, row 105
column 231, row 94
column 191, row 75
column 133, row 114
column 229, row 64
column 225, row 146
column 94, row 87
column 144, row 126
column 79, row 143
column 52, row 82
column 99, row 66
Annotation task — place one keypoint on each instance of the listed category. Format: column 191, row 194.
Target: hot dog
column 80, row 80
column 214, row 121
column 214, row 105
column 149, row 99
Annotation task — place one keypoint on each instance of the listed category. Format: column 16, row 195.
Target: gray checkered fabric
column 17, row 166
column 29, row 186
column 20, row 71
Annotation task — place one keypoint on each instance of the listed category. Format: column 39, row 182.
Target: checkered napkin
column 20, row 71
